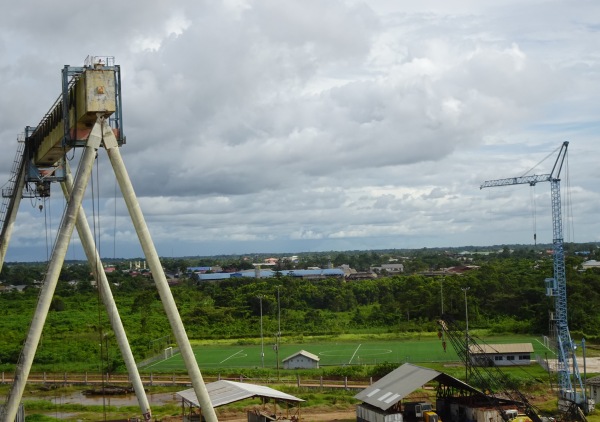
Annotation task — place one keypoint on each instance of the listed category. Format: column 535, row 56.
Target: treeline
column 505, row 294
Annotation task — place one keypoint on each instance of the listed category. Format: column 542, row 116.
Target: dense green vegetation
column 506, row 294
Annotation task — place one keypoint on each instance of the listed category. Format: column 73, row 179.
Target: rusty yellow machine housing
column 88, row 91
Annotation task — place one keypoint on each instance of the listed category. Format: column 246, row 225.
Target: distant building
column 592, row 263
column 367, row 275
column 501, row 354
column 389, row 268
column 301, row 360
column 320, row 274
column 204, row 270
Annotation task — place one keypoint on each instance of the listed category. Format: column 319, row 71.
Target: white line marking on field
column 227, row 358
column 354, row 354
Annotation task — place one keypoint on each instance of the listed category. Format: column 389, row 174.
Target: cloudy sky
column 311, row 125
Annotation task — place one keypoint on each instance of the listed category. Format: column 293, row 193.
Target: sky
column 286, row 126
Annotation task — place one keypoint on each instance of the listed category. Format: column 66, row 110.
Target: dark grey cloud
column 289, row 124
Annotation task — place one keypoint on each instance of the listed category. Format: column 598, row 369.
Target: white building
column 501, row 354
column 301, row 360
column 592, row 263
column 389, row 268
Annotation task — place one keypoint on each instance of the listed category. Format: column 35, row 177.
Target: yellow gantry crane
column 86, row 115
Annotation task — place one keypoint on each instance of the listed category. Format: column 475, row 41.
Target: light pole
column 467, row 358
column 442, row 294
column 262, row 343
column 278, row 338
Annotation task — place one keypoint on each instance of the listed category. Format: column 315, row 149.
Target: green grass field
column 364, row 352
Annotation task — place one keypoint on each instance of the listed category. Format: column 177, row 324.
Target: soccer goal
column 168, row 353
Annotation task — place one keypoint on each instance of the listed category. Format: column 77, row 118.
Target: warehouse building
column 501, row 354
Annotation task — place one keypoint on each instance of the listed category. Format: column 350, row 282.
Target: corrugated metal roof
column 493, row 349
column 303, row 353
column 402, row 381
column 214, row 276
column 224, row 392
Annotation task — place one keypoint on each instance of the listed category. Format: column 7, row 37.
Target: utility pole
column 262, row 343
column 465, row 289
column 278, row 337
column 442, row 294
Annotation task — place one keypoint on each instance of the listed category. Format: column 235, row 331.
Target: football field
column 330, row 353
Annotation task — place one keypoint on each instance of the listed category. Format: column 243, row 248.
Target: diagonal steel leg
column 56, row 261
column 87, row 240
column 112, row 148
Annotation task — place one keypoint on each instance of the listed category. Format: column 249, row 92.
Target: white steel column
column 56, row 261
column 160, row 280
column 88, row 243
column 11, row 213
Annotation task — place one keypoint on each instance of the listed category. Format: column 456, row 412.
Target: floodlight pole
column 262, row 342
column 278, row 337
column 467, row 357
column 442, row 293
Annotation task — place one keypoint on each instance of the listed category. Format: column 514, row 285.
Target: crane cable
column 96, row 229
column 541, row 161
column 534, row 214
column 46, row 228
column 115, row 223
column 570, row 228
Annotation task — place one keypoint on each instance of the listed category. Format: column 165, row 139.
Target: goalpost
column 168, row 353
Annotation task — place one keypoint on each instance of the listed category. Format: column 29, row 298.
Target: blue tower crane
column 557, row 287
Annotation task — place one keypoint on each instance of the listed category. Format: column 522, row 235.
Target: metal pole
column 467, row 357
column 87, row 241
column 57, row 258
column 277, row 339
column 585, row 393
column 442, row 293
column 262, row 342
column 160, row 280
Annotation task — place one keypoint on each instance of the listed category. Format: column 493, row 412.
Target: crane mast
column 557, row 288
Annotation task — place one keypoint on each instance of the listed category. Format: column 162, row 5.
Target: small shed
column 382, row 399
column 301, row 360
column 594, row 384
column 501, row 354
column 224, row 392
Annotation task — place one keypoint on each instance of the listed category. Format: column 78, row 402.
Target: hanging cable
column 533, row 214
column 115, row 223
column 568, row 203
column 96, row 229
column 46, row 228
column 544, row 159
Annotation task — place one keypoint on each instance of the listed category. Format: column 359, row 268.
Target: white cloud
column 282, row 125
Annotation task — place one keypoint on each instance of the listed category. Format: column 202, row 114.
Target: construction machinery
column 489, row 377
column 419, row 412
column 87, row 115
column 570, row 384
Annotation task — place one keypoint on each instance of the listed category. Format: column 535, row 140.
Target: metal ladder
column 8, row 190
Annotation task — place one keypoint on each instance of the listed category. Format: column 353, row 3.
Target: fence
column 183, row 380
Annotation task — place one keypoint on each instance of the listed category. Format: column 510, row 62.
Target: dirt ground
column 334, row 415
column 313, row 415
column 592, row 365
